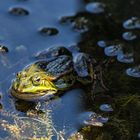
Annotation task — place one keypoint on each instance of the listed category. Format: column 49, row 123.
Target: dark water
column 102, row 32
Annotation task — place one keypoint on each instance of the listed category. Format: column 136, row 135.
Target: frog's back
column 57, row 67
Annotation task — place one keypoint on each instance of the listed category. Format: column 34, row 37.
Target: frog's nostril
column 21, row 86
column 24, row 85
column 18, row 74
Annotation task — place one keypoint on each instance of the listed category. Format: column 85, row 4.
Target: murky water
column 108, row 31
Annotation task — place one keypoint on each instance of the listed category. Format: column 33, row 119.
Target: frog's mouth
column 29, row 96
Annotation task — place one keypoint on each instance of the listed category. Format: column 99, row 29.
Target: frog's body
column 56, row 70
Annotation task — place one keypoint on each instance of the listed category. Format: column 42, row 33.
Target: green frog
column 55, row 70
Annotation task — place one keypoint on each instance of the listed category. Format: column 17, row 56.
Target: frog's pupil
column 37, row 79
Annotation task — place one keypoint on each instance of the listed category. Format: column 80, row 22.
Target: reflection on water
column 26, row 28
column 107, row 30
column 67, row 113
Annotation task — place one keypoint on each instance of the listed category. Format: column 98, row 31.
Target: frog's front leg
column 84, row 67
column 88, row 71
column 54, row 52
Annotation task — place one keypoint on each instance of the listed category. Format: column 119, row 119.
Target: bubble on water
column 125, row 58
column 132, row 23
column 102, row 43
column 18, row 11
column 106, row 108
column 138, row 135
column 48, row 31
column 113, row 50
column 95, row 7
column 129, row 36
column 134, row 71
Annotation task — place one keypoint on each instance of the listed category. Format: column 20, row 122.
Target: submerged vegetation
column 123, row 122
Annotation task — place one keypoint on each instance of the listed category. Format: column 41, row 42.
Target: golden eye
column 36, row 79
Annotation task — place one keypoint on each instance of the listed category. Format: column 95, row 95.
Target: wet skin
column 55, row 70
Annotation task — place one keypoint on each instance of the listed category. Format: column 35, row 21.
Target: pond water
column 107, row 30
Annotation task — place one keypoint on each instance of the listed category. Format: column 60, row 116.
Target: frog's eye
column 36, row 79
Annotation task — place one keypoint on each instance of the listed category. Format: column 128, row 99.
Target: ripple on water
column 125, row 58
column 113, row 50
column 134, row 71
column 48, row 31
column 129, row 36
column 18, row 11
column 132, row 23
column 95, row 7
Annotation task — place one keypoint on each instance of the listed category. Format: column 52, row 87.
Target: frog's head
column 33, row 85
